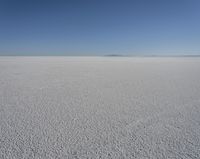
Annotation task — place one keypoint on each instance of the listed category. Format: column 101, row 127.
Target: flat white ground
column 99, row 107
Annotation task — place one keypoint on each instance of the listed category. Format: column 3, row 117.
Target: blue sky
column 99, row 27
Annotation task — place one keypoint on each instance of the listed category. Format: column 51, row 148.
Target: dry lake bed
column 99, row 107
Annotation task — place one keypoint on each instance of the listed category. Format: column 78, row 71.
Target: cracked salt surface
column 99, row 107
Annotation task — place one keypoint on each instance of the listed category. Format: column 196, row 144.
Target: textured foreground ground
column 103, row 107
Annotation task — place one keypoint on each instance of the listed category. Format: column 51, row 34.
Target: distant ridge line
column 116, row 55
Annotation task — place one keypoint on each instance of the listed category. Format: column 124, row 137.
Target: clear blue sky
column 99, row 27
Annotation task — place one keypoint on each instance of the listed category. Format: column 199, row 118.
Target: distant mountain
column 114, row 55
column 118, row 55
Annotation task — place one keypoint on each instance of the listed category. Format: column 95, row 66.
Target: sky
column 99, row 27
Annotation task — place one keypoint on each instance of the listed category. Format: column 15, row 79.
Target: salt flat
column 99, row 107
